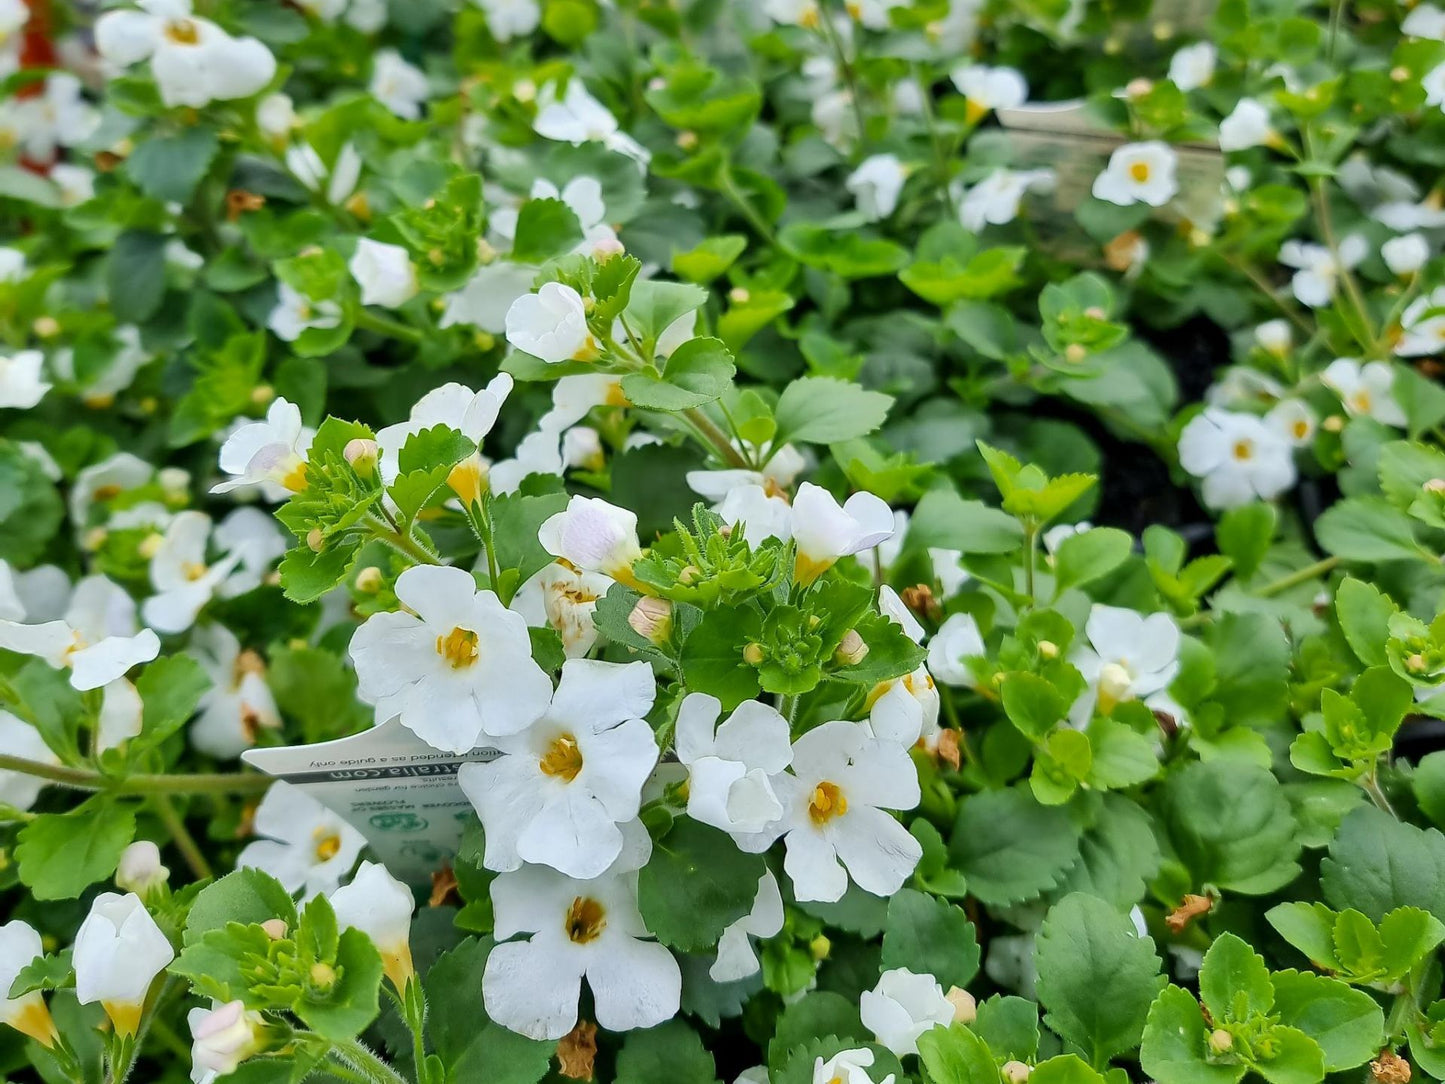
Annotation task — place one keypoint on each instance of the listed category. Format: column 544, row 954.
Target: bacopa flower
column 185, row 579
column 1247, row 126
column 562, row 790
column 1294, row 420
column 957, row 640
column 1193, row 66
column 989, row 88
column 456, row 668
column 995, row 199
column 901, row 1007
column 875, row 185
column 488, row 296
column 305, row 845
column 1128, row 656
column 193, row 60
column 270, row 454
column 736, row 957
column 508, row 19
column 59, row 116
column 380, row 906
column 1317, row 268
column 1423, row 322
column 835, row 818
column 1433, row 83
column 824, row 530
column 21, row 385
column 384, row 272
column 94, row 655
column 295, row 313
column 336, row 182
column 221, row 1038
column 731, row 766
column 1405, row 255
column 847, row 1067
column 140, row 869
column 1238, row 456
column 578, row 118
column 119, row 950
column 19, row 739
column 399, row 86
column 551, row 324
column 565, row 599
column 470, row 413
column 593, row 535
column 239, row 704
column 1366, row 390
column 579, row 929
column 27, row 1014
column 1139, row 173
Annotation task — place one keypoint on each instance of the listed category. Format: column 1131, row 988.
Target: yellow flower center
column 328, row 845
column 827, row 802
column 586, row 919
column 193, row 570
column 1243, row 449
column 182, row 32
column 1361, row 402
column 1139, row 171
column 1301, row 429
column 563, row 759
column 458, row 647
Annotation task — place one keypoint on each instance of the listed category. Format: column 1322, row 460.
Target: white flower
column 537, row 453
column 736, row 958
column 1056, row 535
column 551, row 324
column 1433, row 83
column 12, row 264
column 792, row 12
column 75, row 183
column 221, row 1038
column 21, row 386
column 271, row 451
column 893, row 607
column 875, row 185
column 995, row 199
column 763, row 512
column 824, row 530
column 957, row 640
column 563, row 598
column 508, row 19
column 1424, row 21
column 901, row 1007
column 1139, row 173
column 384, row 272
column 905, row 709
column 1193, row 66
column 1294, row 420
column 276, row 116
column 140, row 869
column 989, row 88
column 1423, row 322
column 470, row 413
column 1238, row 456
column 580, row 118
column 399, row 86
column 455, row 666
column 1317, row 268
column 593, row 535
column 835, row 813
column 1274, row 337
column 1366, row 390
column 487, row 297
column 294, row 313
column 780, row 469
column 731, row 767
column 193, row 60
column 58, row 117
column 1405, row 255
column 119, row 950
column 1128, row 656
column 561, row 790
column 19, row 948
column 847, row 1067
column 95, row 658
column 339, row 181
column 183, row 579
column 19, row 739
column 874, row 13
column 367, row 16
column 380, row 906
column 1247, row 126
column 580, row 929
column 305, row 845
column 238, row 704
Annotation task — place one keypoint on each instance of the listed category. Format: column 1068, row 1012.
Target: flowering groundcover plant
column 917, row 523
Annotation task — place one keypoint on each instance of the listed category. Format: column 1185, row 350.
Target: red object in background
column 37, row 50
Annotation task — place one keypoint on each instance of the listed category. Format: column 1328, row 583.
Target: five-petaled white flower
column 221, row 1038
column 731, row 766
column 455, row 666
column 1423, row 322
column 902, row 1006
column 304, row 844
column 835, row 816
column 593, row 535
column 1239, row 456
column 824, row 530
column 119, row 950
column 1246, row 126
column 59, row 116
column 1139, row 173
column 21, row 385
column 1406, row 254
column 238, row 705
column 551, row 324
column 957, row 640
column 97, row 638
column 1193, row 66
column 384, row 272
column 269, row 454
column 562, row 789
column 399, row 86
column 294, row 313
column 380, row 906
column 579, row 118
column 193, row 60
column 1317, row 268
column 847, row 1067
column 875, row 185
column 185, row 579
column 508, row 19
column 989, row 88
column 579, row 929
column 736, row 957
column 470, row 413
column 27, row 1014
column 1366, row 390
column 1124, row 655
column 995, row 199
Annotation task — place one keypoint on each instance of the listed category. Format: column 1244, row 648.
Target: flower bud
column 965, row 1005
column 1435, row 486
column 262, row 394
column 315, row 540
column 1416, row 663
column 688, row 575
column 606, row 248
column 468, row 479
column 140, row 869
column 1075, row 353
column 275, row 928
column 175, row 481
column 46, row 327
column 223, row 1037
column 739, row 295
column 651, row 618
column 820, row 947
column 94, row 539
column 1048, row 649
column 361, row 454
column 1333, row 424
column 852, row 650
column 369, row 580
column 485, row 252
column 753, row 654
column 687, row 140
column 1220, row 1041
column 1015, row 1072
column 323, row 975
column 1137, row 88
column 149, row 546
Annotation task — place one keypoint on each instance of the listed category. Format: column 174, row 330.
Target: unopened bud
column 739, row 295
column 140, row 869
column 468, row 479
column 852, row 650
column 965, row 1005
column 315, row 540
column 688, row 575
column 753, row 654
column 1416, row 663
column 1333, row 424
column 1137, row 88
column 606, row 248
column 94, row 539
column 275, row 928
column 651, row 619
column 361, row 454
column 820, row 947
column 1048, row 649
column 175, row 481
column 369, row 580
column 1434, row 485
column 1399, row 73
column 46, row 327
column 1075, row 353
column 485, row 252
column 262, row 394
column 359, row 206
column 1015, row 1072
column 150, row 545
column 322, row 975
column 687, row 140
column 1220, row 1041
column 524, row 90
column 1093, row 312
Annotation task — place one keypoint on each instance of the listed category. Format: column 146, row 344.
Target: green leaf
column 1251, row 663
column 1231, row 825
column 136, row 275
column 306, row 575
column 246, row 896
column 696, row 885
column 1364, row 613
column 945, row 520
column 824, row 410
column 712, row 656
column 1122, row 757
column 1296, row 1058
column 1347, row 1024
column 169, row 688
column 62, row 854
column 1244, row 535
column 1175, row 1047
column 168, row 167
column 670, row 1053
column 698, row 372
column 818, row 1012
column 1309, row 927
column 955, row 1055
column 1377, row 863
column 30, row 506
column 1065, row 1069
column 1010, row 847
column 1032, row 704
column 710, row 258
column 1234, row 981
column 545, row 228
column 655, row 305
column 1010, row 1027
column 1096, row 976
column 345, row 1010
column 1089, row 555
column 928, row 935
column 1367, row 529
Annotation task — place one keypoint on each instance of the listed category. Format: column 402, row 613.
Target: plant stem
column 1299, row 576
column 358, row 1057
column 717, row 438
column 165, row 809
column 1031, row 539
column 940, row 156
column 385, row 325
column 729, row 187
column 845, row 68
column 1371, row 786
column 404, row 543
column 147, row 785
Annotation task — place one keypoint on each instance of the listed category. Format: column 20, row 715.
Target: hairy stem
column 146, row 785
